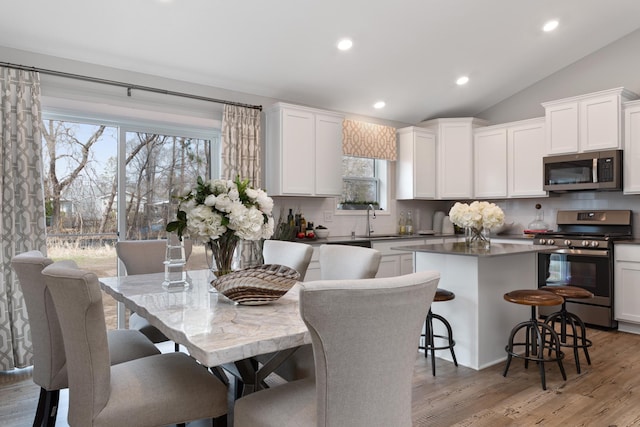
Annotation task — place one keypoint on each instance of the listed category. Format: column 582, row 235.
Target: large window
column 107, row 180
column 364, row 182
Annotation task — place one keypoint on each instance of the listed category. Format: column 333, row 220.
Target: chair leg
column 47, row 410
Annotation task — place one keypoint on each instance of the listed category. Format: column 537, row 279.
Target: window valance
column 361, row 139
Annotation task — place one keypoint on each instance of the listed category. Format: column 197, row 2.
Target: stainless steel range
column 583, row 257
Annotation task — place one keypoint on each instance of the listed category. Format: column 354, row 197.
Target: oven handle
column 587, row 252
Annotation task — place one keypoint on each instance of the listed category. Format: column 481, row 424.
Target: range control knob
column 542, row 241
column 594, row 244
column 567, row 242
column 585, row 243
column 551, row 242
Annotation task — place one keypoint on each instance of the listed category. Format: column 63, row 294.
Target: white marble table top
column 214, row 329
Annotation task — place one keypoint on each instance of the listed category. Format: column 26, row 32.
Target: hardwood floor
column 606, row 393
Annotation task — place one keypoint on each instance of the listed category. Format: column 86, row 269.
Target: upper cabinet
column 490, row 162
column 631, row 157
column 303, row 151
column 508, row 160
column 416, row 164
column 454, row 150
column 525, row 151
column 589, row 122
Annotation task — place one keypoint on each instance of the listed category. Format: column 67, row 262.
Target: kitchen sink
column 385, row 236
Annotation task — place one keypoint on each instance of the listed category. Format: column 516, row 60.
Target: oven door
column 585, row 268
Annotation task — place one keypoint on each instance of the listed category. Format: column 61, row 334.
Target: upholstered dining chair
column 49, row 359
column 156, row 390
column 348, row 262
column 145, row 257
column 336, row 262
column 364, row 335
column 291, row 254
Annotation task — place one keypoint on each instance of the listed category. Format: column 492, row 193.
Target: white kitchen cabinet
column 454, row 147
column 394, row 262
column 416, row 164
column 588, row 122
column 303, row 151
column 490, row 162
column 627, row 287
column 631, row 157
column 525, row 151
column 508, row 160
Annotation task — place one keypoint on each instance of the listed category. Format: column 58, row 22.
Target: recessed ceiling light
column 379, row 104
column 550, row 26
column 345, row 44
column 462, row 80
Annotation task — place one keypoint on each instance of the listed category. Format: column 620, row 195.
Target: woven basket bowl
column 258, row 285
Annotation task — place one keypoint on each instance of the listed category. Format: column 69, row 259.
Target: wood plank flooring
column 606, row 393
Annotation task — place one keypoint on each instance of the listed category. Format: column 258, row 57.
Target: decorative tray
column 257, row 285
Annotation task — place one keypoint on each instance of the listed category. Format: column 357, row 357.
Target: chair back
column 78, row 301
column 49, row 360
column 348, row 262
column 364, row 335
column 291, row 254
column 146, row 256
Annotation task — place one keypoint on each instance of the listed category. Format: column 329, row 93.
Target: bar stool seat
column 429, row 336
column 536, row 340
column 573, row 333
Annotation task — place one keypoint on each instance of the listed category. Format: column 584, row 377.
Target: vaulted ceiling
column 408, row 53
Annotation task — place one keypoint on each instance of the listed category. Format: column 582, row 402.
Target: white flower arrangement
column 216, row 207
column 477, row 215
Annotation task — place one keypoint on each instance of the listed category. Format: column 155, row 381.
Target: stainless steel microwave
column 598, row 170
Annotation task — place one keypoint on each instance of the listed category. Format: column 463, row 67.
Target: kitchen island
column 481, row 319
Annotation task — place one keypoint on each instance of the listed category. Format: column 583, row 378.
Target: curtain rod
column 129, row 86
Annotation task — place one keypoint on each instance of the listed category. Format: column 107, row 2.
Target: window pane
column 356, row 190
column 158, row 166
column 358, row 167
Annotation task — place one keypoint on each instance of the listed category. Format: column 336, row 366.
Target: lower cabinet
column 627, row 287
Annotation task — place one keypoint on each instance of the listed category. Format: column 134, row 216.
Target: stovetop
column 588, row 229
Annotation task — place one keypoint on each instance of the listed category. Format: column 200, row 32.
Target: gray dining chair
column 146, row 257
column 364, row 335
column 291, row 254
column 49, row 359
column 342, row 262
column 156, row 390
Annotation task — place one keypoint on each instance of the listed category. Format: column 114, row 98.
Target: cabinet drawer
column 627, row 253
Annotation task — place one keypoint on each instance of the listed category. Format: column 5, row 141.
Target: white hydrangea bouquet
column 221, row 213
column 477, row 219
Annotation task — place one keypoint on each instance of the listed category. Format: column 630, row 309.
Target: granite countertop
column 627, row 242
column 460, row 248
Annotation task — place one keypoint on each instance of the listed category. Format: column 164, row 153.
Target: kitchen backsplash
column 519, row 211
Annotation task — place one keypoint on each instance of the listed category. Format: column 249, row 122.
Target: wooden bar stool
column 577, row 330
column 429, row 336
column 536, row 340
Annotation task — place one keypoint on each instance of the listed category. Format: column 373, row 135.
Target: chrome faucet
column 369, row 228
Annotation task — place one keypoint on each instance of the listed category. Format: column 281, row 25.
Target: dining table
column 215, row 330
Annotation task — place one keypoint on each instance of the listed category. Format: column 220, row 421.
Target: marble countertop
column 460, row 248
column 214, row 329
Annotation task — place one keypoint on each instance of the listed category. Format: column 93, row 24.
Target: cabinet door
column 490, row 163
column 562, row 128
column 328, row 155
column 627, row 291
column 631, row 156
column 600, row 123
column 525, row 150
column 389, row 266
column 298, row 135
column 406, row 264
column 424, row 165
column 455, row 155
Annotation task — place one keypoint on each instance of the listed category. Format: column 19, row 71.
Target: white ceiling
column 406, row 52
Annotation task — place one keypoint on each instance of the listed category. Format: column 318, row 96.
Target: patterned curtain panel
column 22, row 220
column 360, row 139
column 241, row 144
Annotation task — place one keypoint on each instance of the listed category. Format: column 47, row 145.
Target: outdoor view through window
column 81, row 163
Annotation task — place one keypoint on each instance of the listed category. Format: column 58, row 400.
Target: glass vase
column 477, row 238
column 222, row 252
